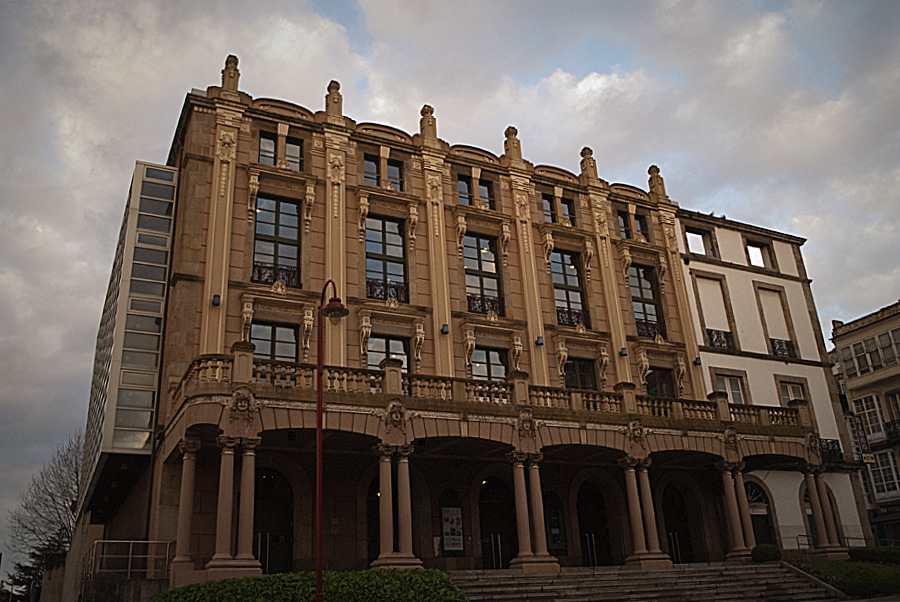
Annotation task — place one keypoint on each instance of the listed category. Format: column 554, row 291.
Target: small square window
column 549, row 208
column 642, row 230
column 760, row 255
column 486, row 192
column 293, row 154
column 698, row 241
column 464, row 186
column 624, row 230
column 791, row 392
column 267, row 148
column 567, row 207
column 395, row 174
column 370, row 170
column 732, row 386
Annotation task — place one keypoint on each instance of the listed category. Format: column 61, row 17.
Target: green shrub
column 765, row 552
column 883, row 554
column 864, row 581
column 338, row 586
column 855, row 578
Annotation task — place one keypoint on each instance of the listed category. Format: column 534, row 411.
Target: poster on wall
column 452, row 529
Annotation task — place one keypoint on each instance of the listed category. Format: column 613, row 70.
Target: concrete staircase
column 771, row 582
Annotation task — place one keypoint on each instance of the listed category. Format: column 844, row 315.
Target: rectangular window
column 489, row 364
column 274, row 341
column 486, row 193
column 660, row 382
column 774, row 311
column 847, row 363
column 549, row 208
column 567, row 289
column 624, row 229
column 581, row 374
column 887, row 349
column 293, row 154
column 482, row 278
column 645, row 301
column 697, row 241
column 381, row 347
column 873, row 353
column 567, row 209
column 276, row 244
column 267, row 143
column 395, row 174
column 642, row 230
column 861, row 360
column 370, row 170
column 385, row 260
column 760, row 255
column 732, row 386
column 870, row 414
column 791, row 392
column 715, row 313
column 884, row 473
column 464, row 186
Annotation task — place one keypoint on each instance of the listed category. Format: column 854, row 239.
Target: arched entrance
column 273, row 522
column 554, row 521
column 678, row 530
column 593, row 526
column 373, row 525
column 760, row 513
column 497, row 517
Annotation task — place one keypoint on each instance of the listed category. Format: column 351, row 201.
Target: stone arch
column 420, row 427
column 695, row 512
column 616, row 508
column 363, row 534
column 501, row 471
column 771, row 514
column 301, row 485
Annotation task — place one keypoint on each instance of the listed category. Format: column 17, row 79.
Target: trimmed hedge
column 338, row 586
column 765, row 552
column 855, row 578
column 882, row 554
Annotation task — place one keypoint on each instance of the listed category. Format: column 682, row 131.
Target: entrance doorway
column 497, row 515
column 678, row 530
column 593, row 526
column 273, row 522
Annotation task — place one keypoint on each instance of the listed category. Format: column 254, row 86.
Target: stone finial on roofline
column 230, row 74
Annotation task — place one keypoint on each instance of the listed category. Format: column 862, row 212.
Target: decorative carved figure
column 365, row 331
column 526, row 426
column 419, row 342
column 392, row 303
column 511, row 146
column 657, row 186
column 604, row 364
column 643, row 367
column 336, row 169
column 562, row 356
column 243, row 404
column 635, row 433
column 602, row 227
column 412, row 221
column 516, row 352
column 460, row 232
column 521, row 205
column 227, row 148
column 253, row 186
column 395, row 416
column 246, row 319
column 230, row 74
column 504, row 243
column 307, row 331
column 626, row 262
column 588, row 257
column 279, row 287
column 680, row 371
column 548, row 247
column 363, row 214
column 308, row 206
column 470, row 348
column 334, row 102
column 730, row 439
column 427, row 124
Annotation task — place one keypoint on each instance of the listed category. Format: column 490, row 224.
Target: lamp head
column 335, row 309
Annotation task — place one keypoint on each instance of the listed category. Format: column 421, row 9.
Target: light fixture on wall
column 445, row 329
column 539, row 342
column 697, row 361
column 623, row 352
column 216, row 300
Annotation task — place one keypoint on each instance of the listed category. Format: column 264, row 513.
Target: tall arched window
column 760, row 513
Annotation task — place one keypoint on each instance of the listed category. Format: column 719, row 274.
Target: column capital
column 534, row 459
column 628, row 462
column 813, row 469
column 404, row 451
column 226, row 442
column 189, row 446
column 723, row 466
column 645, row 463
column 249, row 444
column 517, row 457
column 383, row 451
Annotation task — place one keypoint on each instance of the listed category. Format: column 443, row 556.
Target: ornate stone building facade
column 531, row 374
column 868, row 372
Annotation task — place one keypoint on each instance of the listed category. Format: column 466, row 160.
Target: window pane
column 135, row 399
column 756, row 256
column 142, row 287
column 695, row 243
column 158, row 174
column 142, row 323
column 150, row 239
column 160, row 191
column 149, row 222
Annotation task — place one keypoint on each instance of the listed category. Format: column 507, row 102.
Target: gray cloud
column 786, row 119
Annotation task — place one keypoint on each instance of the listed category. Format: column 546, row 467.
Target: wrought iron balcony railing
column 484, row 304
column 831, row 450
column 382, row 289
column 892, row 430
column 267, row 273
column 648, row 328
column 720, row 339
column 572, row 317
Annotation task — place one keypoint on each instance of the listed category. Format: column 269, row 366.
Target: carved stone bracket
column 562, row 356
column 643, row 367
column 308, row 315
column 363, row 214
column 470, row 349
column 588, row 257
column 635, row 432
column 253, row 186
column 246, row 317
column 516, row 353
column 604, row 365
column 412, row 220
column 680, row 371
column 548, row 247
column 461, row 228
column 626, row 262
column 504, row 243
column 418, row 343
column 365, row 331
column 308, row 205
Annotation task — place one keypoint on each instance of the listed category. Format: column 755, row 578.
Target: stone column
column 827, row 514
column 224, row 509
column 634, row 505
column 744, row 507
column 189, row 449
column 537, row 505
column 524, row 533
column 385, row 500
column 812, row 491
column 731, row 509
column 404, row 500
column 248, row 484
column 648, row 511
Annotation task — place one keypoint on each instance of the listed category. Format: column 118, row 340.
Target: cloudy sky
column 781, row 114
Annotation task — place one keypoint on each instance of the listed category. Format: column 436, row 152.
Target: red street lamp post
column 335, row 309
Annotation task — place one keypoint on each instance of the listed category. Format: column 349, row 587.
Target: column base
column 830, row 553
column 396, row 560
column 233, row 571
column 647, row 561
column 182, row 572
column 741, row 556
column 536, row 565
